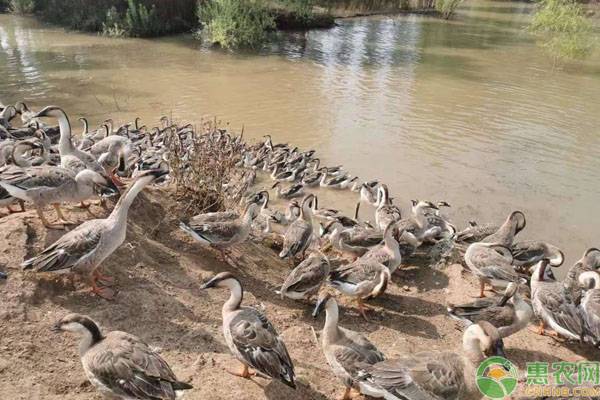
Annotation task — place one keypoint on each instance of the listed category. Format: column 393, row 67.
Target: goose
column 19, row 149
column 361, row 279
column 354, row 241
column 269, row 214
column 508, row 313
column 298, row 236
column 120, row 365
column 388, row 252
column 323, row 213
column 250, row 336
column 589, row 307
column 505, row 235
column 369, row 193
column 434, row 375
column 6, row 115
column 553, row 307
column 295, row 190
column 84, row 248
column 435, row 219
column 27, row 116
column 528, row 253
column 71, row 157
column 492, row 264
column 346, row 351
column 42, row 186
column 336, row 182
column 307, row 278
column 222, row 234
column 475, row 232
column 112, row 160
column 386, row 213
column 314, row 178
column 589, row 262
column 285, row 176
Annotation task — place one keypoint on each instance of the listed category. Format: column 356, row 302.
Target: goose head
column 509, row 292
column 324, row 301
column 541, row 272
column 149, row 176
column 105, row 186
column 81, row 325
column 589, row 280
column 51, row 111
column 517, row 218
column 482, row 340
column 591, row 258
column 221, row 280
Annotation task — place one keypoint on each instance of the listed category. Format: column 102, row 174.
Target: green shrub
column 141, row 21
column 22, row 6
column 113, row 25
column 236, row 23
column 563, row 29
column 447, row 7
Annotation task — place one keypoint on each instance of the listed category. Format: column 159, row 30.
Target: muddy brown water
column 469, row 111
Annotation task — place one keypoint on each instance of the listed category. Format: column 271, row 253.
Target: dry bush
column 203, row 167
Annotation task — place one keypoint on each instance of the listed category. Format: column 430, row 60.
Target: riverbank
column 159, row 18
column 159, row 271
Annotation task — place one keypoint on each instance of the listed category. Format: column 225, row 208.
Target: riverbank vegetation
column 563, row 29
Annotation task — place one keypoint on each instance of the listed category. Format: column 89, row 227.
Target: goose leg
column 349, row 394
column 244, row 373
column 45, row 222
column 101, row 291
column 104, row 279
column 362, row 308
column 481, row 290
column 61, row 216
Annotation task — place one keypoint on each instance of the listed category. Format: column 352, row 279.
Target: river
column 469, row 111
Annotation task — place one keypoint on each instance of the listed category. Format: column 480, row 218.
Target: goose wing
column 127, row 366
column 34, row 177
column 426, row 376
column 559, row 309
column 70, row 249
column 309, row 274
column 260, row 346
column 219, row 216
column 590, row 311
column 296, row 237
column 217, row 232
column 498, row 316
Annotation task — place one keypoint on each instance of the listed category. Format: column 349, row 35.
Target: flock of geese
column 45, row 165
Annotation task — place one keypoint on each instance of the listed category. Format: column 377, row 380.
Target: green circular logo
column 497, row 377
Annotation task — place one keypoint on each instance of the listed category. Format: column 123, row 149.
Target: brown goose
column 361, row 279
column 346, row 351
column 307, row 278
column 84, row 248
column 492, row 264
column 590, row 305
column 46, row 185
column 505, row 235
column 299, row 234
column 251, row 337
column 121, row 365
column 589, row 262
column 434, row 375
column 508, row 313
column 553, row 307
column 222, row 234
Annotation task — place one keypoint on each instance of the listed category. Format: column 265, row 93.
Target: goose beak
column 210, row 284
column 158, row 174
column 499, row 347
column 56, row 328
column 503, row 300
column 3, row 275
column 319, row 307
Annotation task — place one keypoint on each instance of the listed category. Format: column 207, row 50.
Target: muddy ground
column 159, row 271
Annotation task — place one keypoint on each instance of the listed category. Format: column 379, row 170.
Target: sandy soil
column 159, row 271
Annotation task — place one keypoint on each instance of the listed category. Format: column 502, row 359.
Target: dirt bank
column 159, row 271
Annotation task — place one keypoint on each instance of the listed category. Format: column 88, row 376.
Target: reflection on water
column 468, row 111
